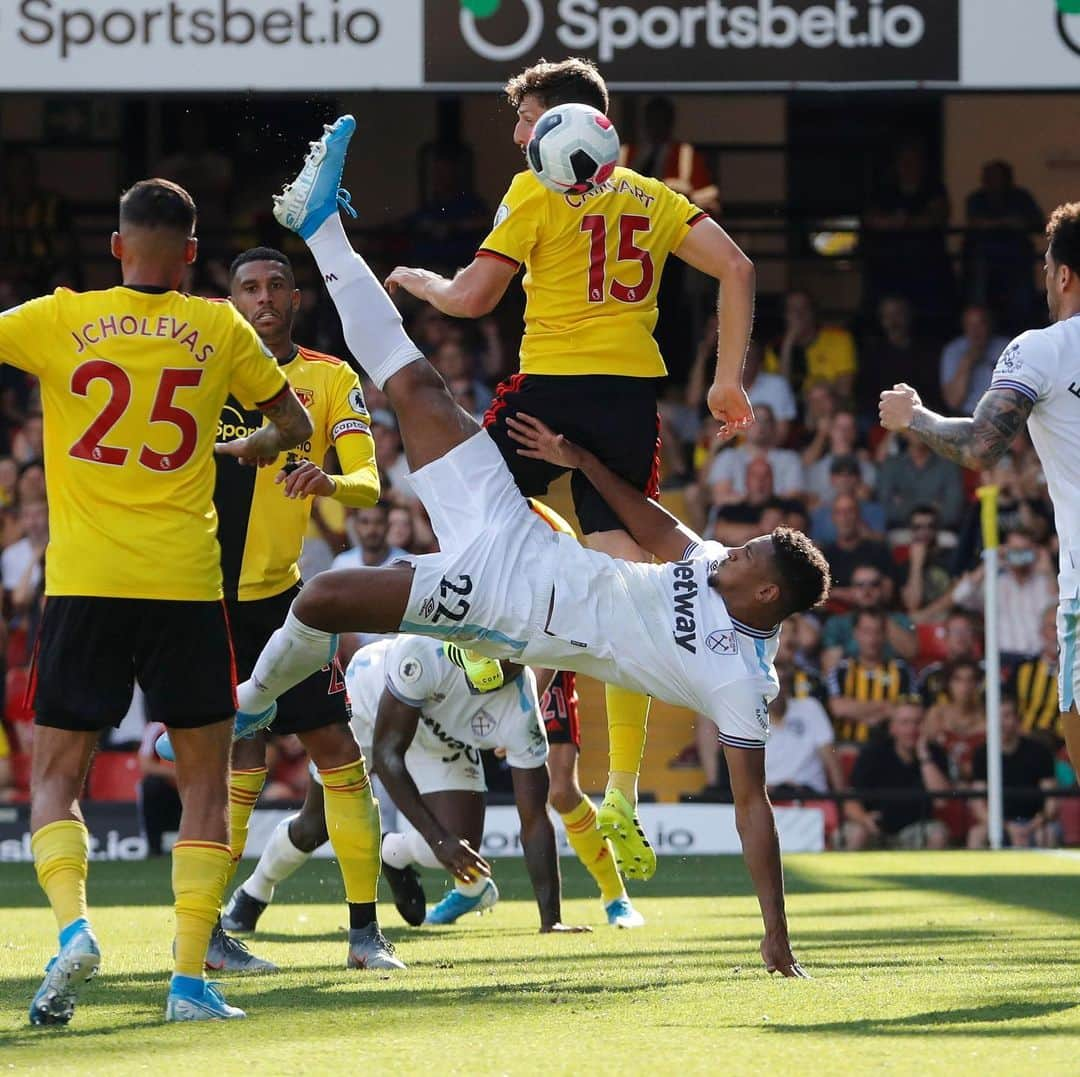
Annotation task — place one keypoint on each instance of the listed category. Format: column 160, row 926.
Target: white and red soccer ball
column 573, row 148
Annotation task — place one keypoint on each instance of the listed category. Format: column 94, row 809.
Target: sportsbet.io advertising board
column 698, row 44
column 187, row 46
column 675, row 830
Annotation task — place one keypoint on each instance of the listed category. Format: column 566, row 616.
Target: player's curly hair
column 261, row 254
column 1063, row 235
column 563, row 82
column 158, row 203
column 801, row 569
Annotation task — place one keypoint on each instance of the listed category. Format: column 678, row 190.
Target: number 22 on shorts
column 460, row 607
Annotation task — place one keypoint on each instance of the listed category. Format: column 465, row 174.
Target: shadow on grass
column 1044, row 892
column 716, row 877
column 266, row 999
column 992, row 1019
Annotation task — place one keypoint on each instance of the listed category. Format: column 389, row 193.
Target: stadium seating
column 847, row 754
column 1069, row 813
column 956, row 816
column 18, row 650
column 114, row 776
column 17, row 707
column 931, row 639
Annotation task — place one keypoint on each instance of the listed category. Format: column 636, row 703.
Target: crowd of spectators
column 883, row 690
column 888, row 677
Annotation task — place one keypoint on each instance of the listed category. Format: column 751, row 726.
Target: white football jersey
column 1044, row 365
column 453, row 718
column 662, row 630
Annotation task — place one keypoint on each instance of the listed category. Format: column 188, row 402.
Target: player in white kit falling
column 1036, row 381
column 422, row 726
column 698, row 631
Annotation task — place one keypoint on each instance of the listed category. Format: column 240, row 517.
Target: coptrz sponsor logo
column 711, row 41
column 66, row 28
column 349, row 426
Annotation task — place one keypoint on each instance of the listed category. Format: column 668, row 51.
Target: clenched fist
column 897, row 406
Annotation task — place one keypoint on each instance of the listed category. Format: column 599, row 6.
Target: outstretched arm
column 709, row 249
column 651, row 527
column 538, row 845
column 473, row 292
column 395, row 727
column 761, row 851
column 978, row 442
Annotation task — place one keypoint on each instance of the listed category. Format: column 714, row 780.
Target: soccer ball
column 573, row 148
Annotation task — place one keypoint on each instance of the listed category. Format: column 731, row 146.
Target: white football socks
column 292, row 654
column 370, row 321
column 401, row 850
column 279, row 860
column 471, row 889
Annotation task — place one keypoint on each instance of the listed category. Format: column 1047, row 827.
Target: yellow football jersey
column 132, row 384
column 261, row 530
column 592, row 270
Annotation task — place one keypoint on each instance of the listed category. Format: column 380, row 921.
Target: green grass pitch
column 923, row 963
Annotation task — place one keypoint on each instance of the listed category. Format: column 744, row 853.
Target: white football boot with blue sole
column 620, row 913
column 65, row 975
column 316, row 193
column 456, row 904
column 192, row 999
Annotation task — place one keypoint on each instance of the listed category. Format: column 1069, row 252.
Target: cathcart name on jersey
column 607, row 28
column 684, row 597
column 610, row 187
column 127, row 325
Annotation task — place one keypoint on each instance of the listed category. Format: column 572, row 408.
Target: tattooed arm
column 978, row 442
column 289, row 425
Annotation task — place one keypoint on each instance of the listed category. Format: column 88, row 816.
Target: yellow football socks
column 627, row 715
column 200, row 873
column 244, row 789
column 593, row 850
column 352, row 821
column 61, row 854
